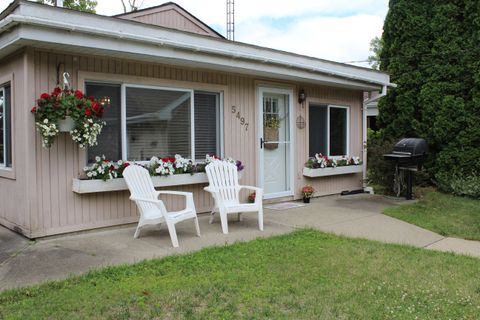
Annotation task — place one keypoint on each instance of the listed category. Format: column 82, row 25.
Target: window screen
column 158, row 123
column 109, row 141
column 207, row 124
column 318, row 115
column 338, row 131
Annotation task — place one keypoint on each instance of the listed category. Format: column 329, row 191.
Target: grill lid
column 411, row 146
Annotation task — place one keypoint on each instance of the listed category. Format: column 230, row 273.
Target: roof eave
column 69, row 21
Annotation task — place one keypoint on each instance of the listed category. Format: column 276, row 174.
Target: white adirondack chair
column 224, row 187
column 152, row 210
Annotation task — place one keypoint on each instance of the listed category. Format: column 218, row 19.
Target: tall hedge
column 432, row 51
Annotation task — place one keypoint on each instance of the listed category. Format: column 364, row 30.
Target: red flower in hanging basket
column 88, row 112
column 96, row 107
column 45, row 96
column 34, row 109
column 56, row 92
column 78, row 94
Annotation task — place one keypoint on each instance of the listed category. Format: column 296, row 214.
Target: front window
column 156, row 122
column 328, row 130
column 109, row 141
column 5, row 126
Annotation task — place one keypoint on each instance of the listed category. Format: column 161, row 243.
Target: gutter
column 15, row 19
column 364, row 135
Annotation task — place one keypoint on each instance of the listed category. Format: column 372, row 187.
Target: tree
column 431, row 51
column 133, row 5
column 80, row 5
column 375, row 49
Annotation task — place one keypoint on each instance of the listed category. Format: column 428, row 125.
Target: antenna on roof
column 231, row 20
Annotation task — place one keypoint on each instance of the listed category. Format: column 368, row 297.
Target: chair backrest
column 140, row 185
column 223, row 176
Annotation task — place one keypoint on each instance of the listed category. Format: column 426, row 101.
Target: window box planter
column 94, row 186
column 324, row 172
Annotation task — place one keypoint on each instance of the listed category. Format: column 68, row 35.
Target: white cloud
column 338, row 30
column 339, row 39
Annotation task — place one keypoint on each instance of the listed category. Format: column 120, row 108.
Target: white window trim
column 347, row 143
column 4, row 136
column 8, row 172
column 329, row 106
column 123, row 113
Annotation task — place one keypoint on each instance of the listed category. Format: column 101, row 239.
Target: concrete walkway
column 23, row 262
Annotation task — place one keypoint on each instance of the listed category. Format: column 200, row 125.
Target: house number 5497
column 238, row 115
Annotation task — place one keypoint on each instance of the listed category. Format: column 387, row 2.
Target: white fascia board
column 89, row 25
column 118, row 48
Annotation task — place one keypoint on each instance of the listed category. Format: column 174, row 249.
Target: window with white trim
column 328, row 130
column 146, row 121
column 5, row 126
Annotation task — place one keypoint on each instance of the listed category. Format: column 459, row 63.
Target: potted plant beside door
column 271, row 126
column 307, row 192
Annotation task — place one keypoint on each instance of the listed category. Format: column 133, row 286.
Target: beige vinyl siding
column 15, row 184
column 341, row 97
column 53, row 208
column 170, row 16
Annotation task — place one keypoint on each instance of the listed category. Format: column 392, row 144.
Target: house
column 172, row 85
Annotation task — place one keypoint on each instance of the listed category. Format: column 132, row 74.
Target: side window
column 5, row 126
column 328, row 130
column 317, row 127
column 338, row 131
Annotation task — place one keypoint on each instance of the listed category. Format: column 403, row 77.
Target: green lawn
column 445, row 214
column 303, row 275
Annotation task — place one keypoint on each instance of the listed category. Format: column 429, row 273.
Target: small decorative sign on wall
column 239, row 117
column 300, row 122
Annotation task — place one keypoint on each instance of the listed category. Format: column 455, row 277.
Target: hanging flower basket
column 68, row 111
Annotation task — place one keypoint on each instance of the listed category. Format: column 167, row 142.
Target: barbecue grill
column 409, row 154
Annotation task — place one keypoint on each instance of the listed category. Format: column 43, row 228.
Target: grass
column 445, row 214
column 303, row 275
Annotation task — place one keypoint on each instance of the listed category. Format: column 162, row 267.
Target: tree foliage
column 375, row 49
column 431, row 51
column 80, row 5
column 131, row 5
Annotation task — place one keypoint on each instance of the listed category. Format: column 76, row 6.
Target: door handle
column 261, row 143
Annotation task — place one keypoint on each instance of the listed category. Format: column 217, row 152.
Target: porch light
column 301, row 96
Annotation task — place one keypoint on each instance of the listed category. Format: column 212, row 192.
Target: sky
column 338, row 30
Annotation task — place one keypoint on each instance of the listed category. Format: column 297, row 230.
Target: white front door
column 275, row 142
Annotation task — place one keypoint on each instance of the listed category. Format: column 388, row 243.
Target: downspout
column 364, row 137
